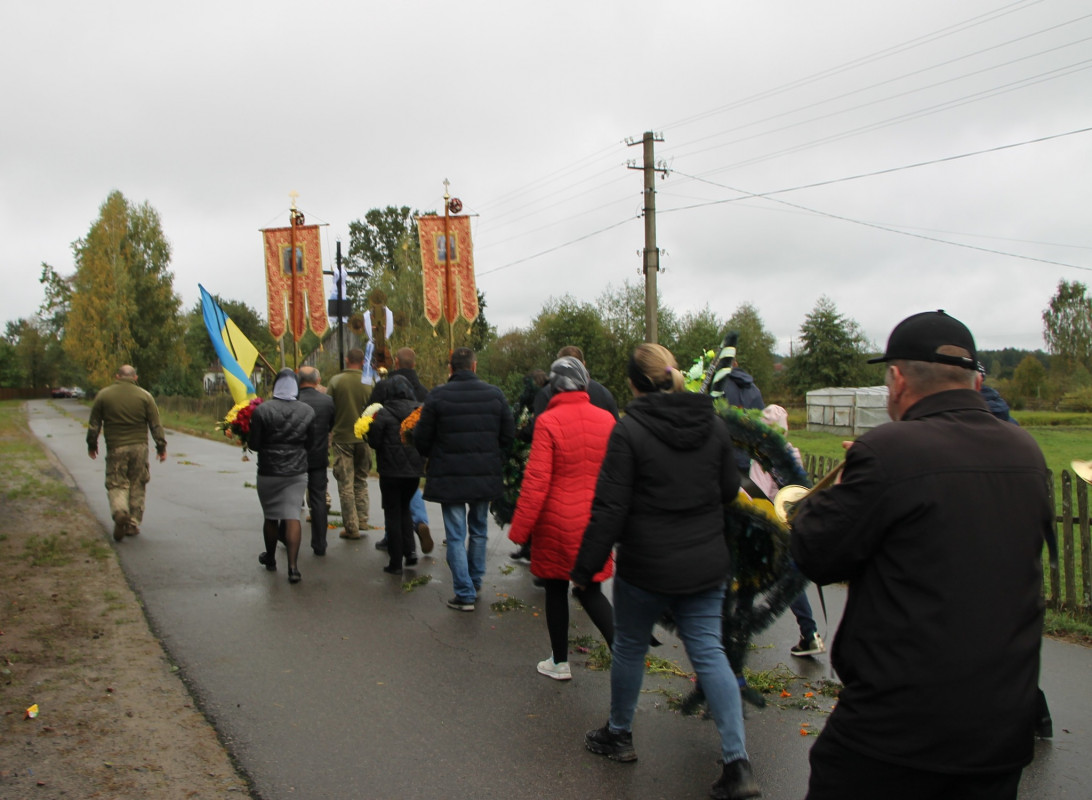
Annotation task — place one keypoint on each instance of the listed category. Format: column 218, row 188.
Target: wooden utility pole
column 651, row 260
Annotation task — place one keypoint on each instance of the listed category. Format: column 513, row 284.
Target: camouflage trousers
column 352, row 463
column 126, row 476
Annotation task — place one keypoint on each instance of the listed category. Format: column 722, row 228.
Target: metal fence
column 1067, row 584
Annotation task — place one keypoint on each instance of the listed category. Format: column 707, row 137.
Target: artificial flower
column 360, row 428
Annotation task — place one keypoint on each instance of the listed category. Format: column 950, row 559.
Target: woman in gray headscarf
column 280, row 433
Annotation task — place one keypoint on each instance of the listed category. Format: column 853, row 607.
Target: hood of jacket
column 681, row 420
column 401, row 407
column 740, row 378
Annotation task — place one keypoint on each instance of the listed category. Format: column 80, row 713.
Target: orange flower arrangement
column 408, row 424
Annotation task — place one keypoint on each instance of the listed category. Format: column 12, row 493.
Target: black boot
column 615, row 746
column 1044, row 727
column 736, row 782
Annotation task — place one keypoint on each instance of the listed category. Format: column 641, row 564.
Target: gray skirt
column 281, row 496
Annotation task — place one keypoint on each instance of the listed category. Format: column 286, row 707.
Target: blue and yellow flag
column 237, row 355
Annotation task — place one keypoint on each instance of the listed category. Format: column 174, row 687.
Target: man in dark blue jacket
column 465, row 430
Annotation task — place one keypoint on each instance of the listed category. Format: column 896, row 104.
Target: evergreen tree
column 833, row 351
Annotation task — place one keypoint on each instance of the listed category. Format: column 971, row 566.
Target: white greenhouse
column 847, row 411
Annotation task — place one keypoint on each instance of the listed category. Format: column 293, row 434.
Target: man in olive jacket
column 937, row 525
column 352, row 456
column 465, row 430
column 127, row 413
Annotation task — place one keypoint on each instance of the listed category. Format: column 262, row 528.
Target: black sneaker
column 808, row 647
column 523, row 554
column 736, row 782
column 460, row 605
column 615, row 746
column 381, row 544
column 411, row 560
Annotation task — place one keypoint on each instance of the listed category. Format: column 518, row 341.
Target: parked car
column 68, row 391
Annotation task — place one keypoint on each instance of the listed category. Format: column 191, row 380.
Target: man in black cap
column 937, row 524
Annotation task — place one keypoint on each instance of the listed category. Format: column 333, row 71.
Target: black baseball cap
column 921, row 336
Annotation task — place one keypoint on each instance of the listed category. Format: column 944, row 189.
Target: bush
column 1079, row 400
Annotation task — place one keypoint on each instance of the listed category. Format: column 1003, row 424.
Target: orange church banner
column 300, row 295
column 449, row 285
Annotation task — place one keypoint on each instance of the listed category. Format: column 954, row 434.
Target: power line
column 1023, row 83
column 557, row 222
column 876, row 226
column 560, row 246
column 845, row 66
column 886, row 82
column 889, row 170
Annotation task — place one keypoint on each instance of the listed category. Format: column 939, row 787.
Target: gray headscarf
column 286, row 386
column 567, row 374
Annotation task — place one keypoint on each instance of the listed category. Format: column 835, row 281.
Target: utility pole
column 651, row 260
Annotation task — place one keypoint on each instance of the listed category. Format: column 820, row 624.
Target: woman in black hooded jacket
column 400, row 469
column 660, row 496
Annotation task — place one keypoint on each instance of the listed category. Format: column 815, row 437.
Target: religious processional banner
column 303, row 296
column 449, row 285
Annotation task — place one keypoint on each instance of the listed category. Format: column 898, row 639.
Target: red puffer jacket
column 555, row 500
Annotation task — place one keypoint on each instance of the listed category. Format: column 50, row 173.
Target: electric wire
column 878, row 55
column 985, row 94
column 570, row 218
column 878, row 84
column 886, row 171
column 877, row 226
column 560, row 246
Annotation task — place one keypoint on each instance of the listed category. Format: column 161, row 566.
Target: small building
column 847, row 411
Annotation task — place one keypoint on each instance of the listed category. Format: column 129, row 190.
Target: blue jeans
column 417, row 509
column 466, row 560
column 801, row 609
column 698, row 619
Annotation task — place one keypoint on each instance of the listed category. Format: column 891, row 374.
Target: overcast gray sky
column 214, row 112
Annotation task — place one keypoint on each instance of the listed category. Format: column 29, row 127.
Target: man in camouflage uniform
column 352, row 456
column 127, row 413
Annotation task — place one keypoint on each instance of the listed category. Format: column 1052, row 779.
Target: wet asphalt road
column 347, row 686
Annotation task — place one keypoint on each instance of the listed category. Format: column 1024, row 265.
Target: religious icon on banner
column 447, row 268
column 294, row 285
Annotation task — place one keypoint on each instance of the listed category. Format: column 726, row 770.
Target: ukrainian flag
column 237, row 355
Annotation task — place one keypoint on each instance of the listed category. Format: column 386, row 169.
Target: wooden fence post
column 1067, row 541
column 1086, row 545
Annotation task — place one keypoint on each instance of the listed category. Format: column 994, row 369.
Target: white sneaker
column 559, row 672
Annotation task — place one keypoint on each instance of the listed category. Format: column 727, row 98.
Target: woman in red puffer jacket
column 554, row 505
